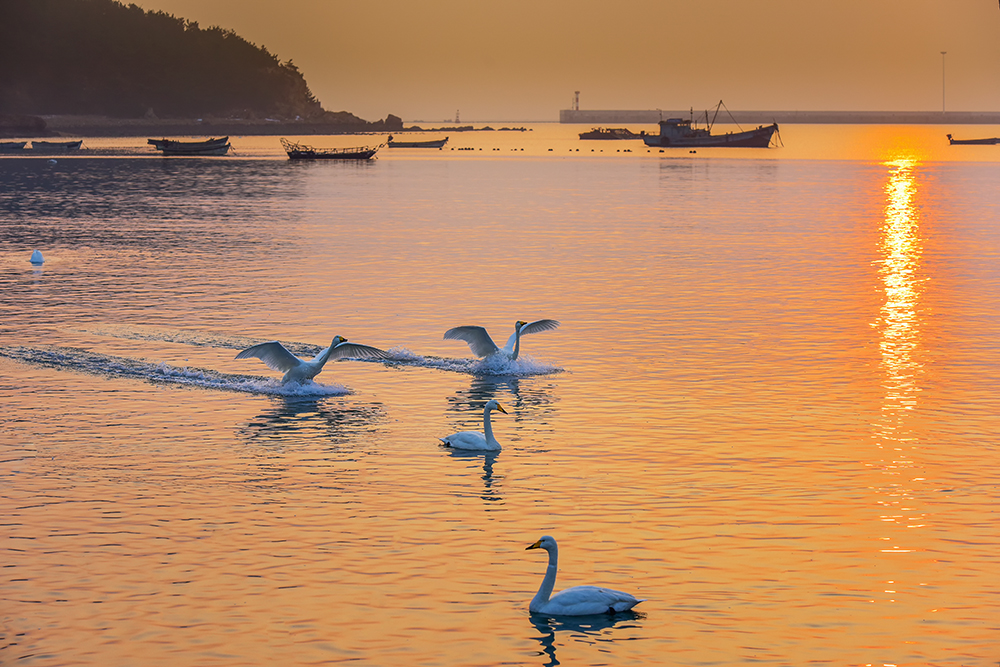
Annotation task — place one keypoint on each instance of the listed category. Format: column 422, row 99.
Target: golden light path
column 899, row 325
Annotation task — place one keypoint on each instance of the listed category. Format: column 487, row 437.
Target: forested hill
column 101, row 57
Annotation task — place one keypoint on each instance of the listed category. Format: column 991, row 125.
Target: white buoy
column 36, row 257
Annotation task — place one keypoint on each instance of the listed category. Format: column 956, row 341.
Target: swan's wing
column 348, row 350
column 587, row 600
column 273, row 354
column 539, row 325
column 479, row 341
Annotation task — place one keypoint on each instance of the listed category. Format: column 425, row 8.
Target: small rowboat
column 207, row 147
column 56, row 146
column 435, row 143
column 992, row 141
column 303, row 152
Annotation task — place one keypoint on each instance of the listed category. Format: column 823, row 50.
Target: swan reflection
column 311, row 417
column 524, row 396
column 491, row 481
column 586, row 629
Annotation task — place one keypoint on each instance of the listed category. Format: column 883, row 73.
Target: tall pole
column 942, row 80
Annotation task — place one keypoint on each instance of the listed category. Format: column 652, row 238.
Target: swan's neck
column 487, row 425
column 549, row 582
column 517, row 342
column 322, row 358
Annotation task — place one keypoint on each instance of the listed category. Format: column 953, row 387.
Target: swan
column 578, row 600
column 482, row 345
column 278, row 358
column 474, row 440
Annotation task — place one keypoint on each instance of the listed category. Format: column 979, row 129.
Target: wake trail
column 84, row 361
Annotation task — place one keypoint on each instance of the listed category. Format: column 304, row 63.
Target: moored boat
column 434, row 143
column 679, row 133
column 991, row 141
column 305, row 152
column 56, row 146
column 213, row 146
column 11, row 146
column 611, row 133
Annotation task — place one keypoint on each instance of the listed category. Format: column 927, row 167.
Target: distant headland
column 112, row 68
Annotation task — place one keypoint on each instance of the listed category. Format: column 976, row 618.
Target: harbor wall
column 653, row 116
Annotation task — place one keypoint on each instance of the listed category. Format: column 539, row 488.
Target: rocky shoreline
column 32, row 127
column 29, row 127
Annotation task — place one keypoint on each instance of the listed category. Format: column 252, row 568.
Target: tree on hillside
column 104, row 57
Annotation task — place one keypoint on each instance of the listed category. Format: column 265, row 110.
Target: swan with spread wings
column 278, row 358
column 483, row 346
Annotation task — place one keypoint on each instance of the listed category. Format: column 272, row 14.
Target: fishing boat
column 611, row 133
column 304, row 152
column 207, row 147
column 679, row 133
column 11, row 146
column 435, row 143
column 684, row 133
column 992, row 141
column 56, row 146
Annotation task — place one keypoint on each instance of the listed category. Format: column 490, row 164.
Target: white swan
column 578, row 600
column 278, row 358
column 474, row 440
column 482, row 345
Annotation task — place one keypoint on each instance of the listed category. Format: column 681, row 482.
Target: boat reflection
column 589, row 629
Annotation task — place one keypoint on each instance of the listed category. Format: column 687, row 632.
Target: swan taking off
column 578, row 600
column 474, row 440
column 482, row 345
column 278, row 358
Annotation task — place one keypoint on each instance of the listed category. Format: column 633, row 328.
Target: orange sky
column 521, row 60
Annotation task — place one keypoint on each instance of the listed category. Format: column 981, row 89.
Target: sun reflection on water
column 900, row 342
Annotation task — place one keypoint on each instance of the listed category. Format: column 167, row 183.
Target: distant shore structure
column 653, row 116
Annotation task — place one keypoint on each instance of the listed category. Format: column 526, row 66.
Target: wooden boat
column 682, row 133
column 610, row 133
column 304, row 152
column 207, row 147
column 11, row 146
column 56, row 146
column 435, row 143
column 679, row 133
column 992, row 141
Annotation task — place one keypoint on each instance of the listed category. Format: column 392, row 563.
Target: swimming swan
column 578, row 600
column 278, row 358
column 482, row 345
column 474, row 440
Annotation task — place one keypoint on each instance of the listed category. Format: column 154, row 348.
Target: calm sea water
column 771, row 408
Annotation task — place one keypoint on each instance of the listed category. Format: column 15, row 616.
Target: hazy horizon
column 523, row 61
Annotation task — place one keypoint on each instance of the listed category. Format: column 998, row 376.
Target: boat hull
column 756, row 138
column 304, row 152
column 992, row 141
column 365, row 154
column 207, row 147
column 56, row 146
column 436, row 143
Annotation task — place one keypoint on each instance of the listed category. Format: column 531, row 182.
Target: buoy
column 36, row 257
